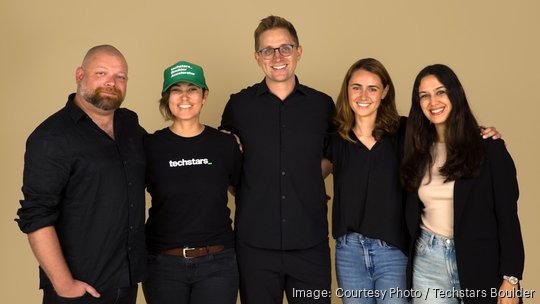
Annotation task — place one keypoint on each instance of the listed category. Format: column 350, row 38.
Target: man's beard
column 105, row 103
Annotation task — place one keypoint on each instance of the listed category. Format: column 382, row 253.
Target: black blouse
column 368, row 197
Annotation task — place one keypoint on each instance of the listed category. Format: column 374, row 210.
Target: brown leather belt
column 190, row 253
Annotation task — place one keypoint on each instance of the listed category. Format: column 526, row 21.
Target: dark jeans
column 304, row 275
column 210, row 279
column 127, row 295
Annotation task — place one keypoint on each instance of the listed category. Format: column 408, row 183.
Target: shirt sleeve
column 227, row 118
column 329, row 147
column 328, row 138
column 46, row 173
column 236, row 164
column 506, row 193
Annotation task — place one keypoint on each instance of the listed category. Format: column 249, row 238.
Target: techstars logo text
column 190, row 162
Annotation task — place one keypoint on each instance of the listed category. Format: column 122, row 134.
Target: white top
column 437, row 196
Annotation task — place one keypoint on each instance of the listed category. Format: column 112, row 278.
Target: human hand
column 490, row 132
column 507, row 294
column 237, row 139
column 76, row 289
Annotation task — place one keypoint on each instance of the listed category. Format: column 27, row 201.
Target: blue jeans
column 209, row 279
column 435, row 274
column 369, row 270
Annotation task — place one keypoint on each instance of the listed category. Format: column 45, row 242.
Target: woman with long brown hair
column 367, row 216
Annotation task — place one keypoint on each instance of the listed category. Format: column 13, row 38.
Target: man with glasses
column 281, row 213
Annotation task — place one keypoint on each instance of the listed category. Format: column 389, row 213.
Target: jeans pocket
column 339, row 242
column 385, row 245
column 420, row 247
column 223, row 264
column 226, row 256
column 61, row 300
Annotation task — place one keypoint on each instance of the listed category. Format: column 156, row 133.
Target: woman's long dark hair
column 465, row 152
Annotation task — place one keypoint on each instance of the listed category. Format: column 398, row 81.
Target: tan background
column 492, row 45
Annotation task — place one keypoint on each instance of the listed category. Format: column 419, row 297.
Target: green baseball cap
column 183, row 71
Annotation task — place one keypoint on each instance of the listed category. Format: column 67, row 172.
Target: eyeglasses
column 285, row 51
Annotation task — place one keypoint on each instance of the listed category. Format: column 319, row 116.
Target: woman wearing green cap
column 189, row 169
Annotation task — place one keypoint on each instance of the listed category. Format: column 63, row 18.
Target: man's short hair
column 272, row 22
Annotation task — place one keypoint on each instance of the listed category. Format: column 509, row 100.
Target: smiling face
column 434, row 101
column 186, row 101
column 278, row 68
column 102, row 81
column 365, row 93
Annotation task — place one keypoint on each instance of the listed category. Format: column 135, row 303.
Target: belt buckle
column 184, row 252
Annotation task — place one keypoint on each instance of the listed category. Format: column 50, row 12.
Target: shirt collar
column 263, row 88
column 74, row 111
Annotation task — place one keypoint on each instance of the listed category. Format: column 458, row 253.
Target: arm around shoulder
column 227, row 118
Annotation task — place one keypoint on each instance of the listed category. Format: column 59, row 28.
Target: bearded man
column 83, row 186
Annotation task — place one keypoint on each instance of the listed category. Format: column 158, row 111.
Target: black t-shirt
column 368, row 197
column 282, row 199
column 188, row 180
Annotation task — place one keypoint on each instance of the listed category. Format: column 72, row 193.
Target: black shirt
column 188, row 180
column 281, row 202
column 368, row 197
column 91, row 189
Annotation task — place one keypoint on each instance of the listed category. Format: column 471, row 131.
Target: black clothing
column 304, row 275
column 188, row 180
column 124, row 295
column 281, row 203
column 91, row 189
column 368, row 197
column 210, row 279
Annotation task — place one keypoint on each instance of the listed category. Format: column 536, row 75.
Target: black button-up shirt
column 91, row 189
column 281, row 200
column 368, row 197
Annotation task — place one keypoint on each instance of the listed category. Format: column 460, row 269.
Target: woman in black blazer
column 462, row 203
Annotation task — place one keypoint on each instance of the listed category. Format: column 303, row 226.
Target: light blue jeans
column 369, row 271
column 435, row 274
